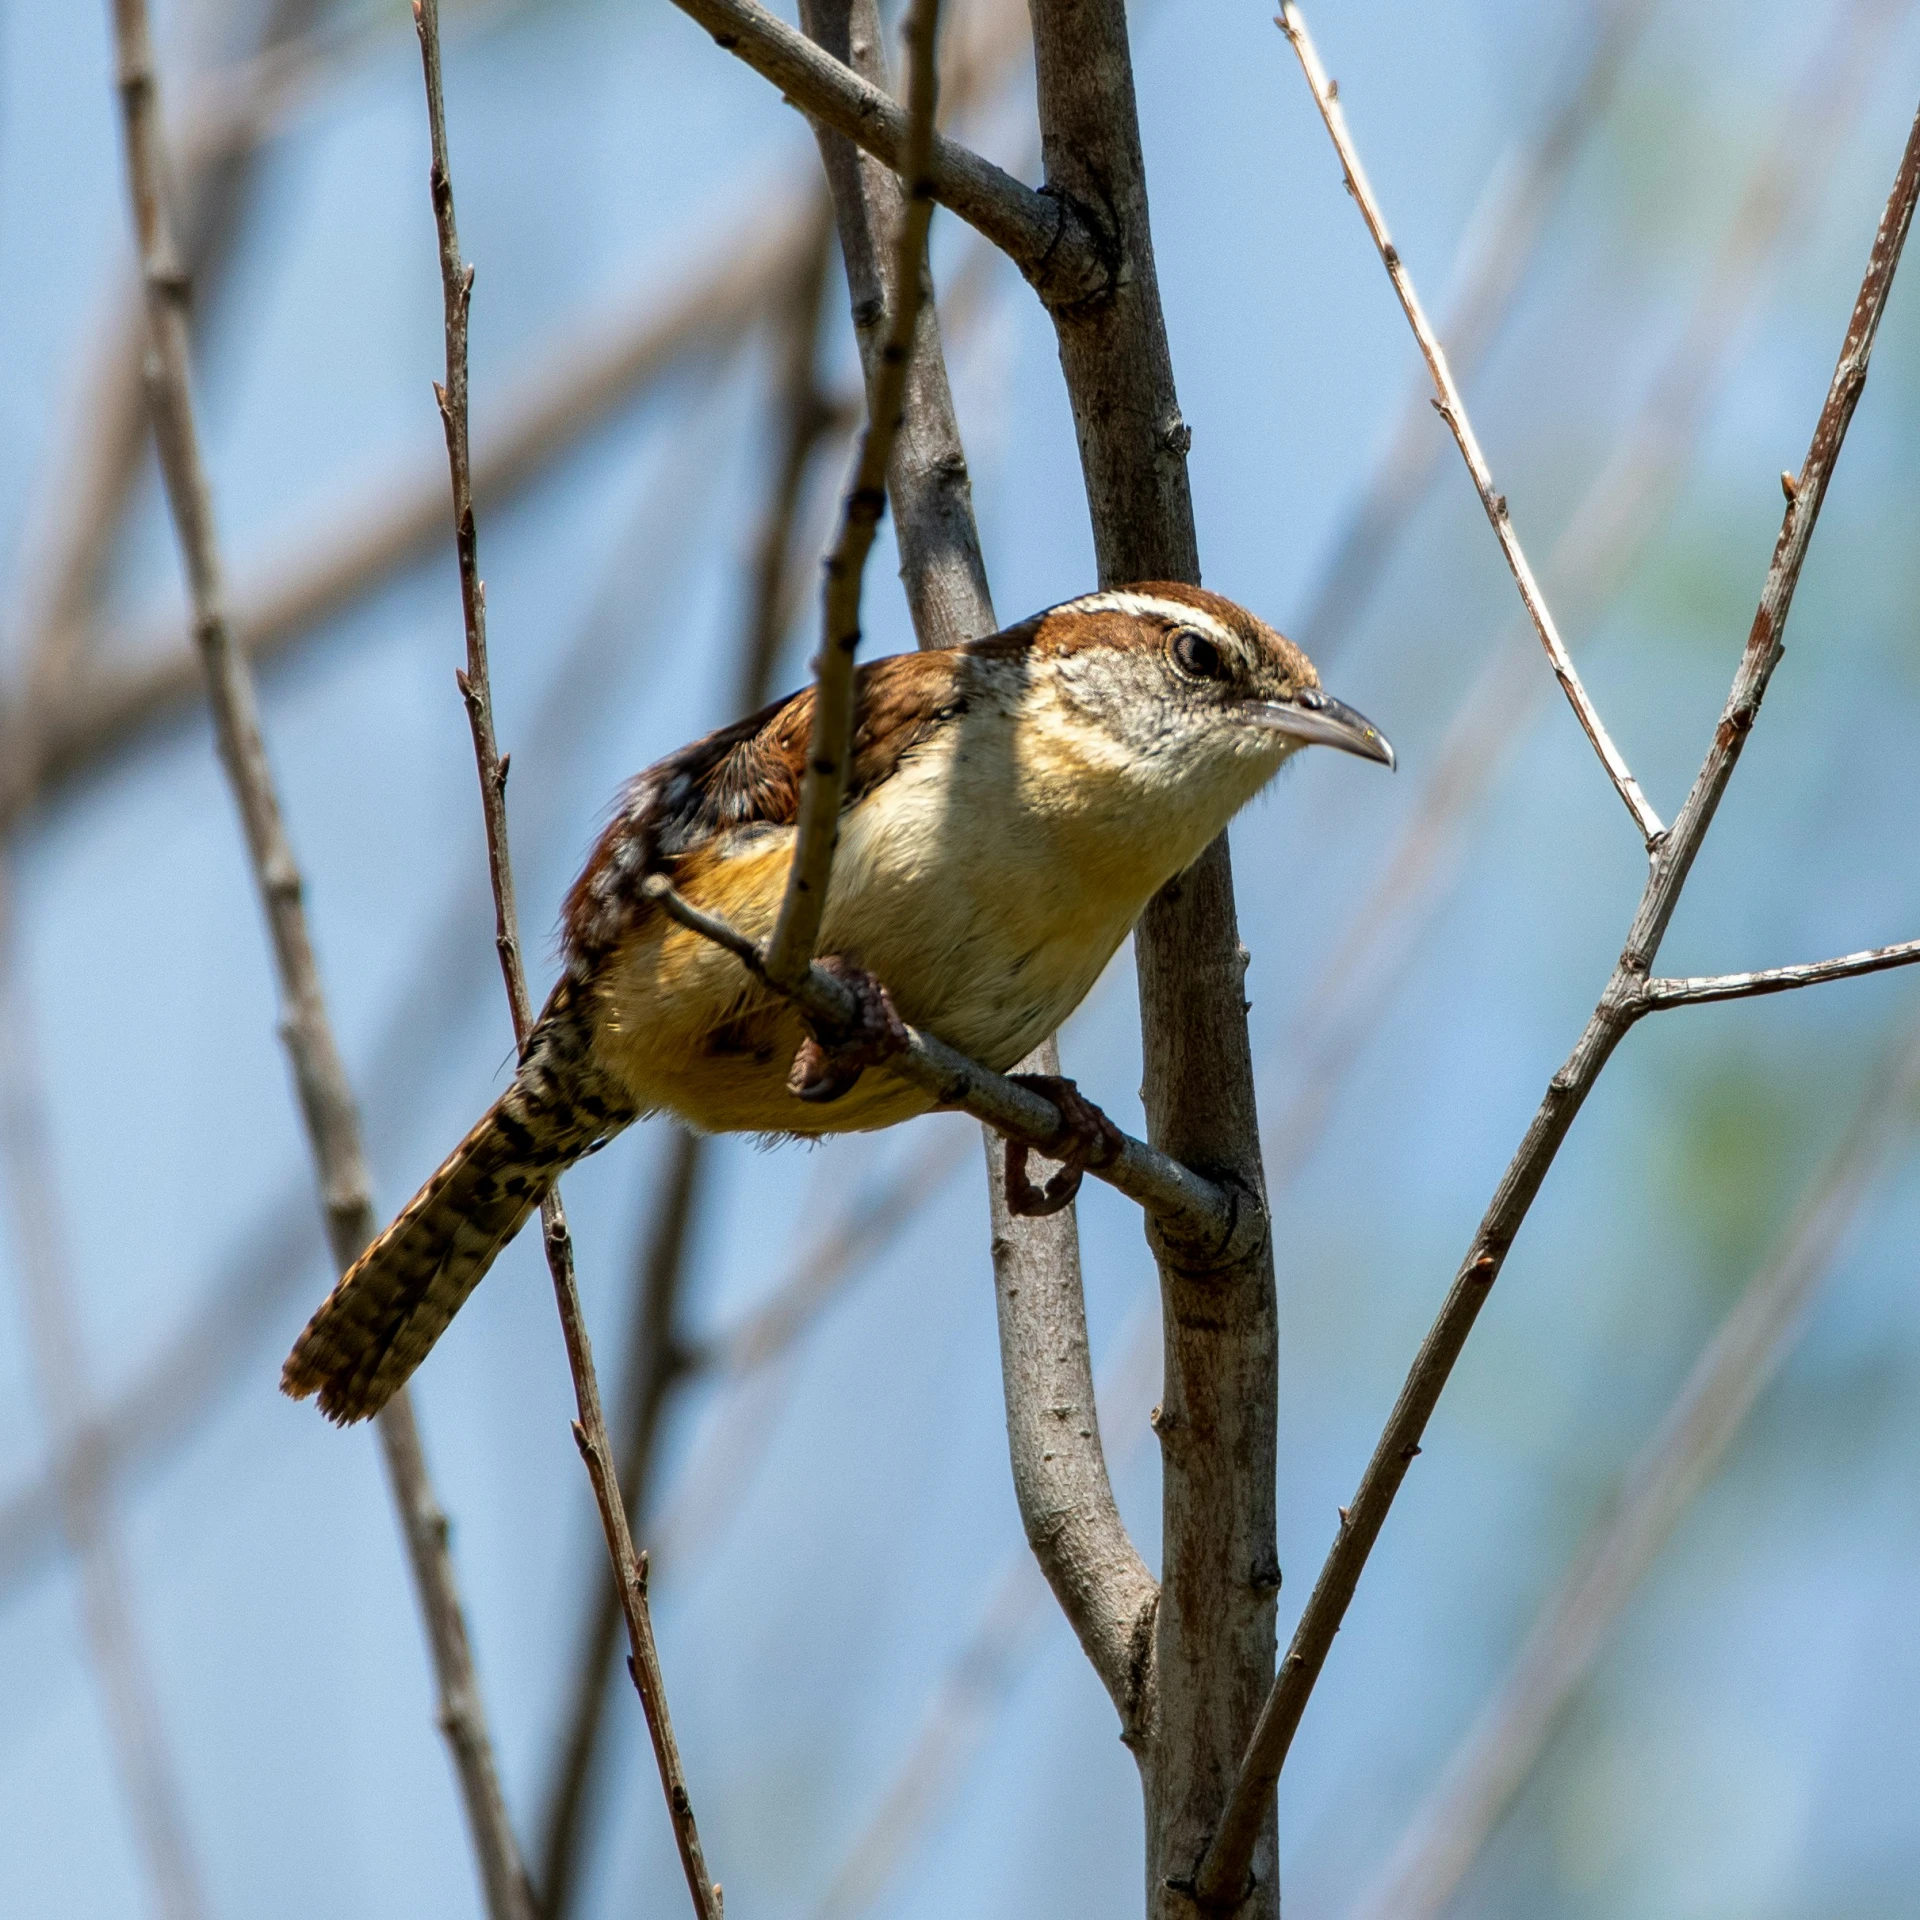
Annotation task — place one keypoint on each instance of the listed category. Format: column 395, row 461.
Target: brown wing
column 749, row 774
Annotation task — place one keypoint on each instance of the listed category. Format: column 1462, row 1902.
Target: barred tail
column 398, row 1298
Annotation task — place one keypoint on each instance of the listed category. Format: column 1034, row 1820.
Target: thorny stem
column 1220, row 1877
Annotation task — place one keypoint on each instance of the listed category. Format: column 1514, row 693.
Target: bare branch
column 1212, row 1216
column 790, row 947
column 656, row 1360
column 161, row 1403
column 43, row 1261
column 1221, row 1876
column 1453, row 410
column 590, row 1429
column 1496, row 252
column 1049, row 240
column 1622, row 505
column 1491, row 1764
column 1059, row 1468
column 1697, row 990
column 326, row 1101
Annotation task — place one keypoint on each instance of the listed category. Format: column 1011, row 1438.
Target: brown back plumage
column 378, row 1324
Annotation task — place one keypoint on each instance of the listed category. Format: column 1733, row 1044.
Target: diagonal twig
column 1502, row 235
column 1453, row 411
column 1220, row 1876
column 1497, row 1755
column 790, row 947
column 326, row 1100
column 1617, row 512
column 590, row 1429
column 657, row 1361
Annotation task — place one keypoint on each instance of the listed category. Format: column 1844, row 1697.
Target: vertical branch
column 326, row 1101
column 590, row 1429
column 790, row 947
column 656, row 1360
column 135, row 1733
column 1214, row 1633
column 1059, row 1465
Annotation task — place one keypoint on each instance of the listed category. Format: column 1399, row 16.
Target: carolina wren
column 1011, row 807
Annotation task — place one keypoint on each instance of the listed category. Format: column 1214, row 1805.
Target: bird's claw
column 1088, row 1139
column 830, row 1060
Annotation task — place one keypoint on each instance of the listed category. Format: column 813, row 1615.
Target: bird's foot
column 830, row 1060
column 1087, row 1138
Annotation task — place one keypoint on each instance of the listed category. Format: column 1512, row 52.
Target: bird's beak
column 1317, row 719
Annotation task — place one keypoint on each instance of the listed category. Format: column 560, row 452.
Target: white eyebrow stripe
column 1142, row 604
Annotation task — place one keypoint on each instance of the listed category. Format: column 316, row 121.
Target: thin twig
column 656, row 1359
column 1221, row 1875
column 1212, row 1217
column 1453, row 410
column 1698, row 990
column 43, row 1263
column 1502, row 235
column 326, row 1101
column 790, row 947
column 1051, row 240
column 161, row 1404
column 1621, row 507
column 1506, row 1742
column 590, row 1429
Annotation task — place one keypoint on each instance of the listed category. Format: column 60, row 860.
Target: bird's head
column 1192, row 691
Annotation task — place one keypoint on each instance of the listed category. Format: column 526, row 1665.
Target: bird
column 1011, row 805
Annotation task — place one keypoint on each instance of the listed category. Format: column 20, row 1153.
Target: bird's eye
column 1196, row 655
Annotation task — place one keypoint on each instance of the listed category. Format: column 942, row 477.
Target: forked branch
column 1453, row 410
column 1221, row 1875
column 1044, row 235
column 1699, row 989
column 590, row 1429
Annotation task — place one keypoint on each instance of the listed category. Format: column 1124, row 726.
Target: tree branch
column 1453, row 411
column 1495, row 255
column 1212, row 1649
column 1051, row 240
column 1208, row 1214
column 1492, row 1763
column 326, row 1102
column 1059, row 1466
column 590, row 1429
column 1221, row 1876
column 1697, row 990
column 790, row 947
column 1612, row 520
column 656, row 1360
